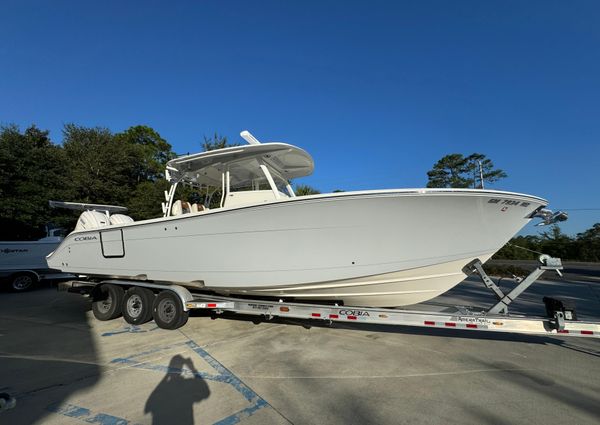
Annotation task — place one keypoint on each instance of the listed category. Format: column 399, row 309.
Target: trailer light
column 316, row 314
column 190, row 305
column 383, row 316
column 211, row 305
column 284, row 309
column 471, row 326
column 450, row 324
column 429, row 323
column 498, row 323
column 587, row 333
column 333, row 316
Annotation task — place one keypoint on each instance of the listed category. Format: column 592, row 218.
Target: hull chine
column 396, row 289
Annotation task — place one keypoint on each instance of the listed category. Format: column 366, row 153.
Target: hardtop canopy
column 243, row 162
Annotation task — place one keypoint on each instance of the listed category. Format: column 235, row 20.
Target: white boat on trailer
column 378, row 248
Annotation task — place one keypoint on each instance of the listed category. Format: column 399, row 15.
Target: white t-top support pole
column 270, row 180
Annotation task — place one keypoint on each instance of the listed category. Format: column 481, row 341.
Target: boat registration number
column 499, row 201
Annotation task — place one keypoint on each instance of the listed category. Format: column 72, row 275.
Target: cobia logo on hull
column 85, row 238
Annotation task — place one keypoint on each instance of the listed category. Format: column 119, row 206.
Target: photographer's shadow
column 172, row 401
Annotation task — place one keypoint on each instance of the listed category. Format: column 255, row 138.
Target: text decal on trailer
column 357, row 313
column 259, row 306
column 468, row 319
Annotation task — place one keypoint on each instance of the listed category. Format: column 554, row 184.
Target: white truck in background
column 23, row 263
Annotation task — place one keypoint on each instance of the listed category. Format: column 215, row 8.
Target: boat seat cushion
column 181, row 207
column 120, row 219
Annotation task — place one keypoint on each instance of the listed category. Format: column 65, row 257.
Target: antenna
column 249, row 138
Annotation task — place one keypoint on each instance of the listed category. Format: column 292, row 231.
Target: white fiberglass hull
column 25, row 255
column 376, row 248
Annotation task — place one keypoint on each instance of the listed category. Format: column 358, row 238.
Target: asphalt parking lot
column 64, row 367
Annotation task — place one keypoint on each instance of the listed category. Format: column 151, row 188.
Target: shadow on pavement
column 569, row 395
column 47, row 352
column 172, row 401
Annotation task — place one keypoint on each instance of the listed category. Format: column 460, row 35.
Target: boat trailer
column 169, row 306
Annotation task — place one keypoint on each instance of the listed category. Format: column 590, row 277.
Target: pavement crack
column 35, row 391
column 236, row 338
column 409, row 375
column 57, row 324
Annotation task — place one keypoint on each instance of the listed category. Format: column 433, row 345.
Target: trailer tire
column 107, row 302
column 137, row 305
column 184, row 319
column 168, row 311
column 21, row 282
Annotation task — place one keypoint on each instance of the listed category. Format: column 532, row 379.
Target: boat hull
column 394, row 289
column 379, row 248
column 25, row 255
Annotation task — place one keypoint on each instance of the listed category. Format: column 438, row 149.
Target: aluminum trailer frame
column 462, row 318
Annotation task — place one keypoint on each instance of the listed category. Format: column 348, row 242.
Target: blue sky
column 376, row 91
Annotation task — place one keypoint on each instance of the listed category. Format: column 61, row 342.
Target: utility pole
column 481, row 174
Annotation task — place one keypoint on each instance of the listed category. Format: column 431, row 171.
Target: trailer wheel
column 21, row 282
column 168, row 312
column 137, row 305
column 107, row 303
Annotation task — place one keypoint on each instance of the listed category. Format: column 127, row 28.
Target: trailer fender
column 182, row 293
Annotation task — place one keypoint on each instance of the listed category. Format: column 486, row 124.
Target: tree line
column 92, row 165
column 584, row 246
